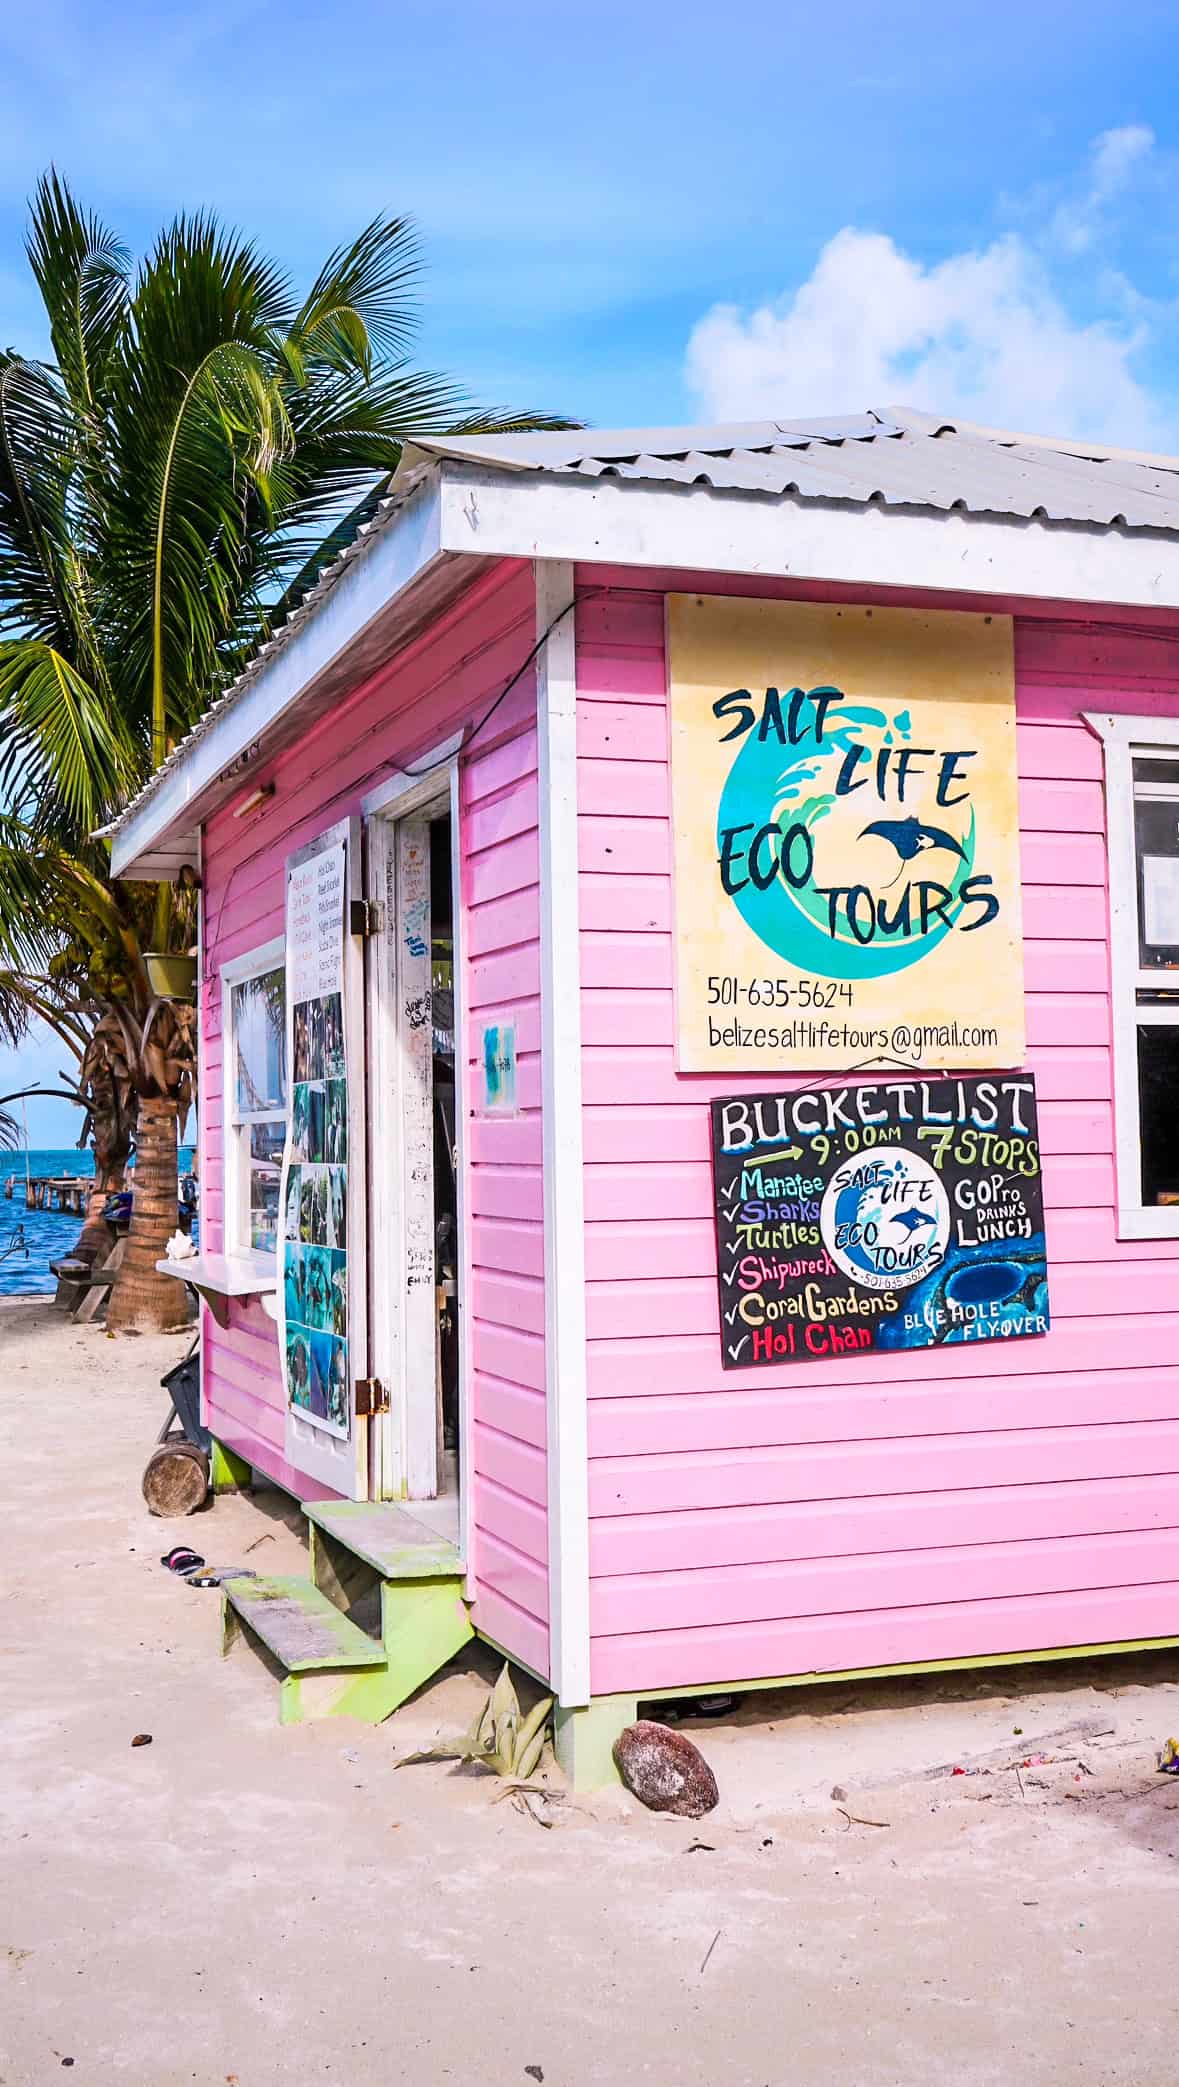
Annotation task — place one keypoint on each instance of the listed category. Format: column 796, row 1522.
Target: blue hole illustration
column 984, row 1282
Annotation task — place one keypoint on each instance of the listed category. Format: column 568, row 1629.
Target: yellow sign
column 846, row 837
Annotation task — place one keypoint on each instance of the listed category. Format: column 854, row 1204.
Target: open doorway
column 415, row 1259
column 446, row 1235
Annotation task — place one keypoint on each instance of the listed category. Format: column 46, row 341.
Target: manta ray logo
column 885, row 1221
column 909, row 837
column 847, row 850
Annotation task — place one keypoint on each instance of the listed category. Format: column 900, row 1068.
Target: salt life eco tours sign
column 846, row 836
column 872, row 1218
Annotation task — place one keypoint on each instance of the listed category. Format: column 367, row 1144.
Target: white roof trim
column 697, row 529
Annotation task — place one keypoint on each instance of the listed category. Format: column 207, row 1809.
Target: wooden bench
column 82, row 1286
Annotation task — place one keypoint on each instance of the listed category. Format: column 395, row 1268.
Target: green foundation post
column 583, row 1739
column 228, row 1473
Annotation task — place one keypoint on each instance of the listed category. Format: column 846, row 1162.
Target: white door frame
column 401, row 1153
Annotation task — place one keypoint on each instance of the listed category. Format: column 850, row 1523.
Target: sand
column 238, row 1905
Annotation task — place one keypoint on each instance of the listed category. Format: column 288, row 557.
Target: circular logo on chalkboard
column 885, row 1219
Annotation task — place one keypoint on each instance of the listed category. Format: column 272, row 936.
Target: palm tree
column 170, row 480
column 108, row 1123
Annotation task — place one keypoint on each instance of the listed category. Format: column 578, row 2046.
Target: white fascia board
column 698, row 529
column 398, row 555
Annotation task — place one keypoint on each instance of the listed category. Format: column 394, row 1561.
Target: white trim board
column 1121, row 738
column 564, row 1208
column 700, row 529
column 462, row 1152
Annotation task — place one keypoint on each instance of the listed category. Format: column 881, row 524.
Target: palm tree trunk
column 142, row 1300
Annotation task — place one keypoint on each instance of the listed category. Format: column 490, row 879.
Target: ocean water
column 31, row 1239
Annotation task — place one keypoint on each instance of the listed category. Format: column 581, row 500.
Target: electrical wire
column 412, row 774
column 522, row 669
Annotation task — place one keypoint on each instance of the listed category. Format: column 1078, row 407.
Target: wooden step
column 388, row 1538
column 306, row 1633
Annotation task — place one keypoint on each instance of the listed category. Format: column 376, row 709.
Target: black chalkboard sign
column 865, row 1219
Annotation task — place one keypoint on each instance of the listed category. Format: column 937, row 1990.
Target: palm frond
column 14, row 1011
column 206, row 459
column 82, row 272
column 28, row 938
column 199, row 285
column 55, row 903
column 361, row 307
column 507, row 423
column 325, row 553
column 66, row 755
column 37, row 450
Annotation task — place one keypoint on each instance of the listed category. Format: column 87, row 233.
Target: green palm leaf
column 362, row 304
column 37, row 455
column 82, row 272
column 66, row 757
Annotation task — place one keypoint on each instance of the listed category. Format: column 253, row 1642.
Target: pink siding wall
column 445, row 680
column 909, row 1507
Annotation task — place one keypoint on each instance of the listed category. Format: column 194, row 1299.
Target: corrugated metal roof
column 892, row 457
column 568, row 449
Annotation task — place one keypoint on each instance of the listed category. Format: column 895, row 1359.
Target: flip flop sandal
column 214, row 1576
column 182, row 1559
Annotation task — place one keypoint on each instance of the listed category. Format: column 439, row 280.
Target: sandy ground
column 238, row 1905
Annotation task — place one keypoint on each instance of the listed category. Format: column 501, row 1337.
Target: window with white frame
column 254, row 1001
column 1142, row 814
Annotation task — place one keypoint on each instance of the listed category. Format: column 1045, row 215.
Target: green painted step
column 305, row 1631
column 387, row 1537
column 331, row 1668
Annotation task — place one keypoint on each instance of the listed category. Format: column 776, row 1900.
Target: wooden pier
column 65, row 1192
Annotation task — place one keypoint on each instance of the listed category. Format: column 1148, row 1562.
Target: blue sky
column 656, row 213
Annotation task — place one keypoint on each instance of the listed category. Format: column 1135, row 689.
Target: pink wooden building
column 545, row 1446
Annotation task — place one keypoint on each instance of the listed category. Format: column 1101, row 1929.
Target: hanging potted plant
column 172, row 974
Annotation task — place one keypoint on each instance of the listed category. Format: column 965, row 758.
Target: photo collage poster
column 314, row 1206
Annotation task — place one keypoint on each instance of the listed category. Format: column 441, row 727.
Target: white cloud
column 1114, row 157
column 1115, row 152
column 985, row 334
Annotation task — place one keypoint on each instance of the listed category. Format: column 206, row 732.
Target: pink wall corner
column 910, row 1506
